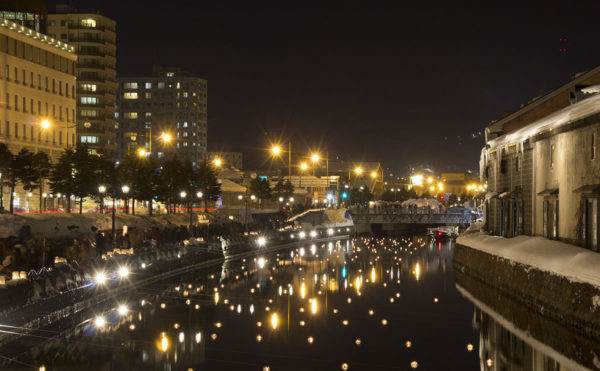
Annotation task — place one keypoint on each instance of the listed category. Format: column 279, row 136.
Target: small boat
column 443, row 232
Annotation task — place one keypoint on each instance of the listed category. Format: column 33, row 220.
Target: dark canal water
column 361, row 304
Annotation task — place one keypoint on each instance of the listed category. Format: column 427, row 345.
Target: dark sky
column 402, row 82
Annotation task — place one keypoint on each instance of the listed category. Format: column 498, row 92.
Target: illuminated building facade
column 94, row 38
column 170, row 103
column 38, row 84
column 543, row 175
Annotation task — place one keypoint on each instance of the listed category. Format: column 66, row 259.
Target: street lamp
column 142, row 152
column 125, row 190
column 303, row 167
column 315, row 158
column 373, row 174
column 45, row 124
column 217, row 162
column 101, row 190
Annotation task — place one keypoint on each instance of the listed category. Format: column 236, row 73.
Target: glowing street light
column 45, row 124
column 315, row 157
column 358, row 170
column 275, row 150
column 142, row 152
column 217, row 162
column 166, row 137
column 303, row 166
column 182, row 194
column 373, row 174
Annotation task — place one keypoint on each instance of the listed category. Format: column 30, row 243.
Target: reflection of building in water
column 501, row 349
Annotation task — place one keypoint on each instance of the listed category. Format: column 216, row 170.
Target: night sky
column 406, row 84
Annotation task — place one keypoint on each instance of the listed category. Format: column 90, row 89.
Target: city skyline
column 320, row 74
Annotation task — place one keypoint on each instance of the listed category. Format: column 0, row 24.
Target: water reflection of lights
column 302, row 251
column 313, row 249
column 408, row 344
column 302, row 234
column 303, row 290
column 314, row 306
column 313, row 234
column 216, row 298
column 358, row 342
column 414, row 364
column 345, row 366
column 181, row 337
column 373, row 275
column 384, row 322
column 417, row 271
column 198, row 337
column 163, row 343
column 470, row 347
column 274, row 321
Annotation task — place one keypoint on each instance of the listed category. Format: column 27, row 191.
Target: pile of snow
column 60, row 225
column 422, row 202
column 574, row 263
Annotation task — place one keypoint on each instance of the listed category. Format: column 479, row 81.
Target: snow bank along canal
column 358, row 304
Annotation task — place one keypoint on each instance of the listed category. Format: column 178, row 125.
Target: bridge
column 373, row 222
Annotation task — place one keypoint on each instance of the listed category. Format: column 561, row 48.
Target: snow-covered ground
column 575, row 263
column 60, row 225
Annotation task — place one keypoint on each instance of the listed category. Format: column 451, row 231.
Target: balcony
column 87, row 40
column 95, row 53
column 94, row 66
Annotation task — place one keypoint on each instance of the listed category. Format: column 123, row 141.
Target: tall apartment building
column 37, row 84
column 94, row 38
column 172, row 103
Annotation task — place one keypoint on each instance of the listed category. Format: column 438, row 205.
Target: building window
column 130, row 115
column 147, row 95
column 88, row 23
column 89, row 100
column 161, row 85
column 130, row 85
column 552, row 148
column 92, row 139
column 89, row 87
column 593, row 147
column 130, row 95
column 89, row 113
column 148, row 85
column 148, row 114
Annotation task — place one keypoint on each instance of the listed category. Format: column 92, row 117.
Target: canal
column 359, row 304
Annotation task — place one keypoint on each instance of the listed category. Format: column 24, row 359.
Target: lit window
column 185, row 125
column 148, row 85
column 148, row 114
column 88, row 22
column 88, row 113
column 89, row 139
column 130, row 95
column 130, row 115
column 89, row 100
column 147, row 95
column 170, row 74
column 161, row 85
column 130, row 85
column 89, row 87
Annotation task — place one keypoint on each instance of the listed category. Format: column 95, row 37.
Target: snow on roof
column 574, row 263
column 230, row 186
column 564, row 116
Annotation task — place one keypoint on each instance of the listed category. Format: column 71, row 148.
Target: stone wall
column 573, row 305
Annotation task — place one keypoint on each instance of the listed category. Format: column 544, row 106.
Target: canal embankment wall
column 555, row 280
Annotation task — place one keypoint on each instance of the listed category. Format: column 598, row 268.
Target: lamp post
column 276, row 150
column 303, row 167
column 125, row 190
column 101, row 190
column 45, row 124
